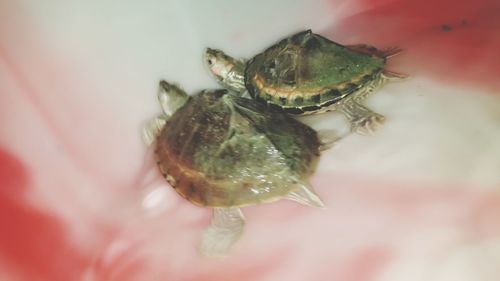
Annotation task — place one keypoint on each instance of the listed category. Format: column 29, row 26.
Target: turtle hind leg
column 305, row 194
column 362, row 119
column 225, row 229
column 388, row 75
column 389, row 52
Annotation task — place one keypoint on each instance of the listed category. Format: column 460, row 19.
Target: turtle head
column 227, row 70
column 219, row 63
column 171, row 97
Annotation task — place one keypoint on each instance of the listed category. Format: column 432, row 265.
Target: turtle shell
column 306, row 72
column 219, row 150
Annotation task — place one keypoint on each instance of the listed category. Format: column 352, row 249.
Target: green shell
column 306, row 72
column 219, row 150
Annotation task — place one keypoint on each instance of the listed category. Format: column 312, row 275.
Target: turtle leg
column 328, row 138
column 363, row 120
column 152, row 129
column 389, row 52
column 225, row 229
column 388, row 75
column 304, row 194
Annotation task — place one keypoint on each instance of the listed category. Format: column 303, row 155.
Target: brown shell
column 220, row 151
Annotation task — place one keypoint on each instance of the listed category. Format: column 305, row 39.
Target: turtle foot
column 367, row 125
column 225, row 229
column 304, row 194
column 388, row 75
column 152, row 129
column 362, row 119
column 390, row 52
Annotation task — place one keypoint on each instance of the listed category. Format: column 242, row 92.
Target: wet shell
column 219, row 150
column 307, row 72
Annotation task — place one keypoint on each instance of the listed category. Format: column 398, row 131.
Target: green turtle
column 223, row 151
column 306, row 73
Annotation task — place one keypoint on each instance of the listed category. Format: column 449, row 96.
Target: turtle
column 307, row 73
column 223, row 151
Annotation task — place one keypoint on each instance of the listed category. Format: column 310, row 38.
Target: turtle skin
column 220, row 150
column 306, row 72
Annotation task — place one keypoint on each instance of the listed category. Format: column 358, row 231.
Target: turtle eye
column 210, row 61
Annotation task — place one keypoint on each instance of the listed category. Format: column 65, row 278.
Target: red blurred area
column 33, row 245
column 446, row 40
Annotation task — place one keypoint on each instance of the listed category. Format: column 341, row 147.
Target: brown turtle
column 225, row 152
column 306, row 73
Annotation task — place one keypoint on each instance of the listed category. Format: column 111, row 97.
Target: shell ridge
column 274, row 137
column 222, row 150
column 247, row 113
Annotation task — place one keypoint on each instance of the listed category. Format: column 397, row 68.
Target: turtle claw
column 362, row 119
column 152, row 129
column 305, row 194
column 225, row 229
column 390, row 52
column 388, row 75
column 367, row 125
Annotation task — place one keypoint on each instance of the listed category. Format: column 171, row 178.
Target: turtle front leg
column 225, row 229
column 362, row 120
column 388, row 75
column 152, row 129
